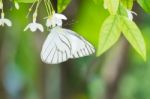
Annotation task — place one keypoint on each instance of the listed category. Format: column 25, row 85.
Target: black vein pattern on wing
column 53, row 55
column 67, row 39
column 48, row 44
column 66, row 43
column 49, row 54
column 62, row 55
column 88, row 46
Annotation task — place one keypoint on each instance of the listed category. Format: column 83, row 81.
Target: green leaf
column 122, row 10
column 134, row 36
column 112, row 6
column 26, row 1
column 62, row 4
column 95, row 1
column 90, row 29
column 145, row 4
column 109, row 34
column 127, row 3
column 98, row 1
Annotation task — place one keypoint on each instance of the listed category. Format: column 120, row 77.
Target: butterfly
column 62, row 44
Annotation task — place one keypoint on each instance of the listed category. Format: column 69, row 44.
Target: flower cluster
column 4, row 20
column 53, row 19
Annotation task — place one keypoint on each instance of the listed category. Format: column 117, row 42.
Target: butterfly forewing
column 56, row 48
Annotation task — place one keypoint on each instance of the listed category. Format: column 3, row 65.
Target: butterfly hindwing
column 80, row 46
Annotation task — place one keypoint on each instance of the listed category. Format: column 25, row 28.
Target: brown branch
column 113, row 68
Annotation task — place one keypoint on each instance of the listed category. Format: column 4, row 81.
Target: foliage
column 145, row 4
column 110, row 32
column 102, row 22
column 62, row 4
column 129, row 28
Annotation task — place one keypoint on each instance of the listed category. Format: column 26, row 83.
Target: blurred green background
column 118, row 74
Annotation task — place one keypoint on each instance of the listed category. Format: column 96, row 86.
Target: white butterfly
column 63, row 44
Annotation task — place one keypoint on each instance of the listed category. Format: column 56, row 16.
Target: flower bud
column 1, row 5
column 16, row 5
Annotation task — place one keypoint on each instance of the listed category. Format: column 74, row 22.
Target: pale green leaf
column 26, row 1
column 145, row 4
column 134, row 36
column 109, row 34
column 127, row 3
column 122, row 10
column 62, row 4
column 112, row 6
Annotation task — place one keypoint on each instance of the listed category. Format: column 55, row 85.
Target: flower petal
column 27, row 27
column 33, row 27
column 40, row 27
column 7, row 22
column 58, row 22
column 48, row 22
column 60, row 16
column 1, row 22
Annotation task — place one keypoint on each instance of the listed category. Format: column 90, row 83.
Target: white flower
column 4, row 21
column 55, row 20
column 130, row 14
column 34, row 26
